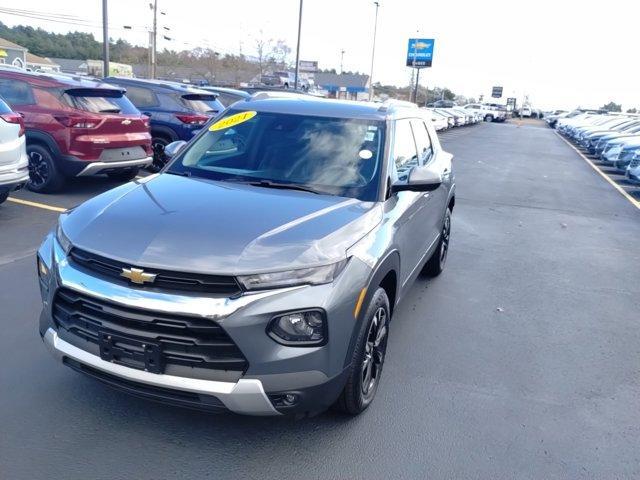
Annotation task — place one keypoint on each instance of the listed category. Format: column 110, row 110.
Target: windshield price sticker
column 232, row 120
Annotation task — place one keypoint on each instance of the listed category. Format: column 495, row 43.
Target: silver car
column 633, row 170
column 259, row 271
column 14, row 171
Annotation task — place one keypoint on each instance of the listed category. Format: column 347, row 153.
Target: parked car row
column 75, row 126
column 450, row 117
column 614, row 139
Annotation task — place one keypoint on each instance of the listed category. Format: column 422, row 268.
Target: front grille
column 165, row 280
column 184, row 341
column 635, row 162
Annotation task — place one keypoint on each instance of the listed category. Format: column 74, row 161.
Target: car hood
column 188, row 224
column 627, row 141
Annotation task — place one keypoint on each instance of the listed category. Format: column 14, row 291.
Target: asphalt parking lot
column 520, row 361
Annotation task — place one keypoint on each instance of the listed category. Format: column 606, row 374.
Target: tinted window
column 48, row 98
column 4, row 108
column 202, row 103
column 331, row 155
column 99, row 101
column 229, row 98
column 16, row 92
column 405, row 155
column 141, row 97
column 423, row 142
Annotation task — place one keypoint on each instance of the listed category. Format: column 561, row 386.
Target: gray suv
column 259, row 271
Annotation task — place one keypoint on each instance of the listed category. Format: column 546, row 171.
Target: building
column 348, row 86
column 41, row 64
column 72, row 66
column 17, row 56
column 12, row 54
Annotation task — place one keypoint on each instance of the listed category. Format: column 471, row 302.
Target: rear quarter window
column 16, row 92
column 142, row 97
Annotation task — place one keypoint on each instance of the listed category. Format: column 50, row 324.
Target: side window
column 48, row 98
column 405, row 155
column 16, row 92
column 423, row 142
column 142, row 97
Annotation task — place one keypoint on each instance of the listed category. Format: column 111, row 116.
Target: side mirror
column 174, row 148
column 421, row 179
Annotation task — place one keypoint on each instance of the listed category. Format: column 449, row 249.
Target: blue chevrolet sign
column 420, row 52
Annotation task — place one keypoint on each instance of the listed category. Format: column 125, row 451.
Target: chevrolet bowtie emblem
column 137, row 275
column 126, row 121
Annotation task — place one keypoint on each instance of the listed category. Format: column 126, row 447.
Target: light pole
column 295, row 82
column 341, row 60
column 105, row 40
column 373, row 51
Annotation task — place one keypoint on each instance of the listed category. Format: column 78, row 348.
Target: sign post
column 419, row 55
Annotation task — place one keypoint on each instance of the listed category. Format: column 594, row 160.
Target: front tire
column 436, row 263
column 368, row 357
column 44, row 177
column 159, row 158
column 3, row 197
column 488, row 118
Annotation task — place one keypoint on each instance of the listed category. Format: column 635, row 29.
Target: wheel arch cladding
column 384, row 276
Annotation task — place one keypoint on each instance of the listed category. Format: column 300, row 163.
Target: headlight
column 304, row 328
column 289, row 278
column 62, row 239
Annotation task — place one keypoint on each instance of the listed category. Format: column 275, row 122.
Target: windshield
column 328, row 155
column 202, row 103
column 100, row 101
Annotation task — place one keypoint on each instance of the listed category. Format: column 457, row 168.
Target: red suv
column 76, row 127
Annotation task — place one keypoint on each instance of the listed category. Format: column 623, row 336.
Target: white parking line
column 632, row 200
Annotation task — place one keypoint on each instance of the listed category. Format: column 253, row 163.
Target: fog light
column 299, row 328
column 284, row 399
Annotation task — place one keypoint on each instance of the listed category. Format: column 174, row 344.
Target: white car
column 14, row 171
column 440, row 121
column 487, row 112
column 526, row 111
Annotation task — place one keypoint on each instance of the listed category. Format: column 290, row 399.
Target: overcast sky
column 560, row 53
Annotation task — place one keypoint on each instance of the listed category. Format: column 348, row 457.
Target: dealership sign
column 496, row 92
column 420, row 52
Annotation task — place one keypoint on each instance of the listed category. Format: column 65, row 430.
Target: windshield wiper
column 284, row 186
column 186, row 173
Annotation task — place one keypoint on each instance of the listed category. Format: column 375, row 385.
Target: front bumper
column 245, row 396
column 315, row 375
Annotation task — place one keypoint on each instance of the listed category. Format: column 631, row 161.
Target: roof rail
column 277, row 94
column 393, row 103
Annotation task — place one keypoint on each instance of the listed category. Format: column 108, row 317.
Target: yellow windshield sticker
column 232, row 120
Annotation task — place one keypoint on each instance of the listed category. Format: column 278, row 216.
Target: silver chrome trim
column 96, row 167
column 247, row 396
column 211, row 308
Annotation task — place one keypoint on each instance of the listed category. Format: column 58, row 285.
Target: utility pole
column 105, row 40
column 295, row 82
column 415, row 86
column 154, row 34
column 341, row 60
column 373, row 51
